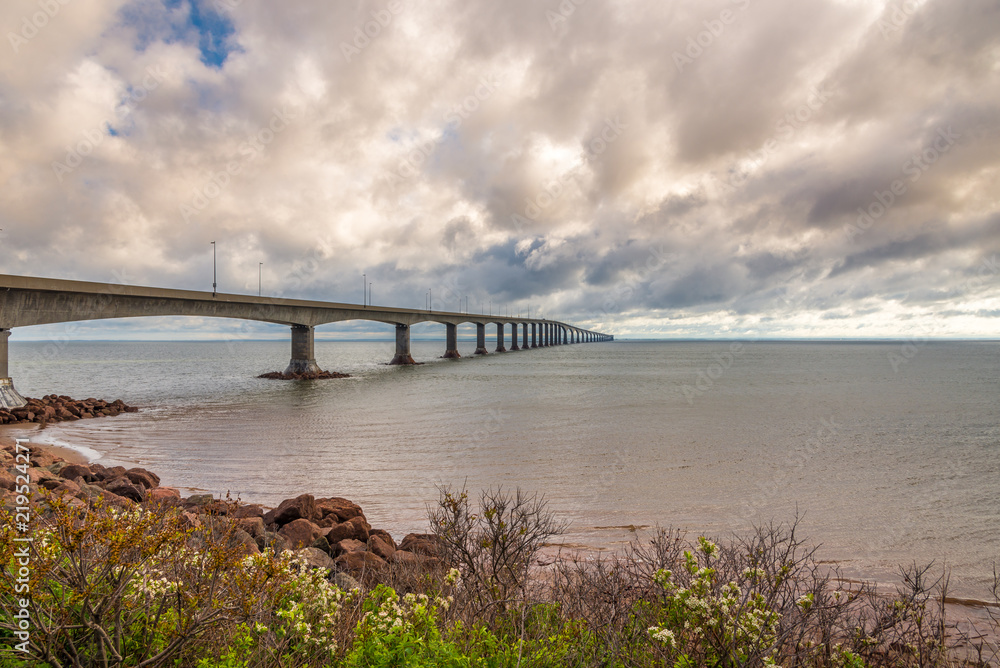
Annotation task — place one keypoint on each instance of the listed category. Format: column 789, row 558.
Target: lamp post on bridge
column 364, row 286
column 214, row 273
column 260, row 278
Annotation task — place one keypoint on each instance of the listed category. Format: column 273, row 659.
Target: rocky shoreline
column 310, row 375
column 55, row 408
column 329, row 532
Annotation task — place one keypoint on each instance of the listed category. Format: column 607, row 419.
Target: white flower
column 665, row 636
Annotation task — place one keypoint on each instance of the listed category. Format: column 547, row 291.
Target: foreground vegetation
column 113, row 586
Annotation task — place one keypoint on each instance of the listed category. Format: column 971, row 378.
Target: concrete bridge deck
column 27, row 301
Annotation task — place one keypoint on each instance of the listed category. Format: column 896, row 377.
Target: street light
column 214, row 274
column 369, row 294
column 364, row 284
column 260, row 275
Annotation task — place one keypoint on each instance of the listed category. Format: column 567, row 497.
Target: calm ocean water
column 889, row 454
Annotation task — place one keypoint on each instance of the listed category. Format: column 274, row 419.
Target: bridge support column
column 500, row 348
column 303, row 351
column 9, row 397
column 402, row 345
column 481, row 339
column 525, row 344
column 451, row 352
column 534, row 335
column 513, row 336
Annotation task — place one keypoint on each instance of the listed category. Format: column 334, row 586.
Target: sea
column 884, row 453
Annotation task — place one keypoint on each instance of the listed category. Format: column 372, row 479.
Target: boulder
column 252, row 525
column 272, row 540
column 355, row 528
column 363, row 566
column 245, row 541
column 341, row 508
column 321, row 543
column 167, row 495
column 421, row 543
column 7, row 480
column 344, row 581
column 114, row 472
column 110, row 499
column 141, row 476
column 122, row 486
column 71, row 471
column 380, row 547
column 289, row 510
column 316, row 558
column 385, row 536
column 41, row 458
column 300, row 533
column 69, row 488
column 348, row 545
column 198, row 501
column 249, row 510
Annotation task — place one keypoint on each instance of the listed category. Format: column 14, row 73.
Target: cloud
column 532, row 154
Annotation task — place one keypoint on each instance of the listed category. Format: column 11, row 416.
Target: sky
column 647, row 168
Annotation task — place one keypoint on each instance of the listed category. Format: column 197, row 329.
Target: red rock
column 7, row 480
column 360, row 565
column 167, row 495
column 110, row 499
column 160, row 493
column 316, row 558
column 246, row 542
column 385, row 536
column 420, row 543
column 141, row 476
column 342, row 508
column 301, row 507
column 354, row 529
column 248, row 511
column 380, row 547
column 73, row 470
column 191, row 520
column 252, row 525
column 348, row 545
column 300, row 533
column 122, row 486
column 70, row 488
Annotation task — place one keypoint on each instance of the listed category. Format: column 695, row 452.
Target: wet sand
column 24, row 431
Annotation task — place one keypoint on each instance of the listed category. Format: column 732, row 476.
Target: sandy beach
column 25, row 431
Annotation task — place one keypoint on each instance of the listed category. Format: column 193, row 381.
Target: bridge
column 27, row 301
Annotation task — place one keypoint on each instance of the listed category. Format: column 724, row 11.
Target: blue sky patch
column 186, row 21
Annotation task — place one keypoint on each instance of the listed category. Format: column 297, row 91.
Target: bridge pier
column 525, row 344
column 451, row 349
column 534, row 335
column 481, row 339
column 402, row 345
column 500, row 348
column 9, row 397
column 303, row 351
column 513, row 336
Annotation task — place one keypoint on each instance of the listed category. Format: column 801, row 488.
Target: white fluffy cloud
column 652, row 169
